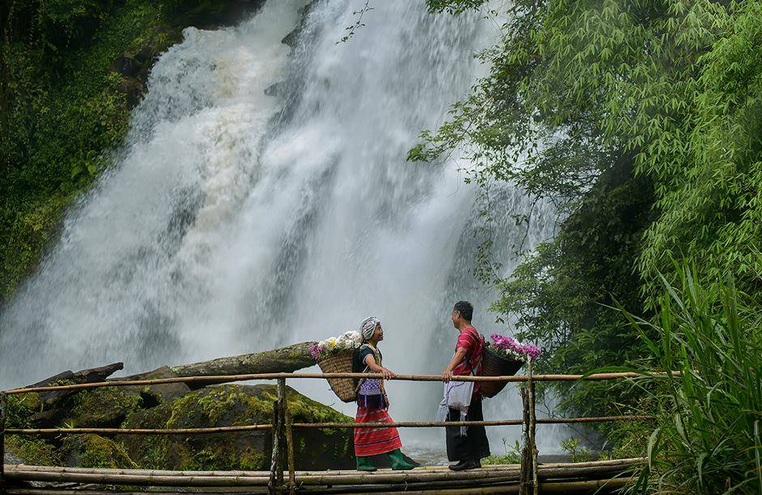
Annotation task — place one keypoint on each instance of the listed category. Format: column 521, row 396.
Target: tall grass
column 707, row 437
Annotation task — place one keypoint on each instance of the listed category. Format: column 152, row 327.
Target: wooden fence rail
column 277, row 376
column 528, row 475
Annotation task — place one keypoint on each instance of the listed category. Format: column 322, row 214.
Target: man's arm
column 460, row 353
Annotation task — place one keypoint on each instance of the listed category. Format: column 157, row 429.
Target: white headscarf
column 368, row 326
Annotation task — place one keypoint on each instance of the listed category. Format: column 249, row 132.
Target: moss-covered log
column 283, row 360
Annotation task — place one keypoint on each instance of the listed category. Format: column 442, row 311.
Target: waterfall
column 234, row 221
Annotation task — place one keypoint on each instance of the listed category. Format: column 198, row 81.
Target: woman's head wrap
column 368, row 326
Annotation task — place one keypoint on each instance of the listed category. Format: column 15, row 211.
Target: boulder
column 101, row 408
column 93, row 451
column 156, row 394
column 46, row 409
column 230, row 405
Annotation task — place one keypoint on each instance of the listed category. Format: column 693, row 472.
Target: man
column 466, row 445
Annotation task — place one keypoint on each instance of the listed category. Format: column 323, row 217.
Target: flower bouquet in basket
column 334, row 355
column 504, row 356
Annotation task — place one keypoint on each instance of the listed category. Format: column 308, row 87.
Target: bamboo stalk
column 228, row 429
column 281, row 431
column 526, row 465
column 135, row 431
column 3, row 414
column 532, row 428
column 549, row 468
column 62, row 491
column 290, row 445
column 563, row 487
column 547, row 487
column 274, row 454
column 327, row 478
column 275, row 376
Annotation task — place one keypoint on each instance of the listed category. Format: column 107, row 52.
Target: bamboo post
column 3, row 414
column 281, row 430
column 274, row 459
column 526, row 463
column 290, row 445
column 532, row 426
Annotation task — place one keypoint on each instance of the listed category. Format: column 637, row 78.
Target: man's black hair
column 465, row 308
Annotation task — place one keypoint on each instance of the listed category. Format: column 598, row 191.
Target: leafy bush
column 708, row 438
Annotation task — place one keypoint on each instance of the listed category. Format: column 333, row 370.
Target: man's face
column 455, row 315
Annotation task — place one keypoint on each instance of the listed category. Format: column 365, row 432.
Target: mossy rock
column 156, row 394
column 231, row 405
column 21, row 408
column 104, row 407
column 33, row 450
column 93, row 451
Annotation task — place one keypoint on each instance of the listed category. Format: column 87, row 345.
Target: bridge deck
column 553, row 477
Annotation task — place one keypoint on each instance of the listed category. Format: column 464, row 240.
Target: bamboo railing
column 528, row 474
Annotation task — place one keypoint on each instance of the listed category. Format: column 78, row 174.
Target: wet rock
column 274, row 89
column 292, row 38
column 132, row 89
column 126, row 65
column 11, row 458
column 209, row 14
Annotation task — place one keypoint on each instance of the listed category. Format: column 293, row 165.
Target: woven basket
column 344, row 388
column 494, row 364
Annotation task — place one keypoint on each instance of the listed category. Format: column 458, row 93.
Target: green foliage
column 559, row 295
column 578, row 453
column 93, row 451
column 33, row 450
column 707, row 438
column 640, row 120
column 512, row 455
column 62, row 111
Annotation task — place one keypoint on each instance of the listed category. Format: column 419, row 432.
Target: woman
column 372, row 404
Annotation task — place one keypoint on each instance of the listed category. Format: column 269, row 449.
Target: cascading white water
column 234, row 221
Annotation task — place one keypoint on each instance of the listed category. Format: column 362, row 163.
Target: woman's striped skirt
column 374, row 441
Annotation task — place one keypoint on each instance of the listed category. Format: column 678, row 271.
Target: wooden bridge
column 529, row 477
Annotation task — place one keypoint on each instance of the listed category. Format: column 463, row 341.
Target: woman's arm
column 456, row 359
column 370, row 362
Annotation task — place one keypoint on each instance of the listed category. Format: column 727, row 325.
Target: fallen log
column 51, row 401
column 283, row 360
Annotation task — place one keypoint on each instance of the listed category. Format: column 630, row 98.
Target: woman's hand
column 446, row 375
column 388, row 375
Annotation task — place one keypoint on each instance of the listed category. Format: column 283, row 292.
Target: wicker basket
column 494, row 364
column 344, row 388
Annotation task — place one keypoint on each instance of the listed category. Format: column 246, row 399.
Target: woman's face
column 378, row 334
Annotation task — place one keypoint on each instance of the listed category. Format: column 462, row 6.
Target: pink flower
column 514, row 348
column 315, row 351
